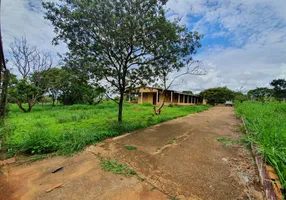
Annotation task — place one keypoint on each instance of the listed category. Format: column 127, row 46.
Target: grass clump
column 128, row 147
column 267, row 125
column 115, row 167
column 228, row 141
column 172, row 141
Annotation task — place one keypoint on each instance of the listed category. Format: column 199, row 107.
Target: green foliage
column 147, row 104
column 239, row 96
column 227, row 141
column 117, row 168
column 188, row 92
column 25, row 91
column 268, row 129
column 172, row 141
column 127, row 43
column 128, row 147
column 68, row 129
column 217, row 95
column 279, row 89
column 260, row 94
column 173, row 198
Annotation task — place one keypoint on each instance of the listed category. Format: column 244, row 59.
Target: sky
column 244, row 43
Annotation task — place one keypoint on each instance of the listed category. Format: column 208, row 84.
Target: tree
column 54, row 77
column 25, row 91
column 188, row 92
column 4, row 92
column 73, row 88
column 124, row 43
column 217, row 95
column 165, row 81
column 30, row 63
column 260, row 94
column 27, row 58
column 279, row 91
column 239, row 96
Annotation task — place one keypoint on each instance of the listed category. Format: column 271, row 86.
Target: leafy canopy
column 260, row 94
column 279, row 90
column 217, row 95
column 125, row 42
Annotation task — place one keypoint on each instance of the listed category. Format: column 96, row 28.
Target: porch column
column 141, row 97
column 129, row 97
column 157, row 97
column 192, row 99
column 184, row 98
column 179, row 98
column 171, row 97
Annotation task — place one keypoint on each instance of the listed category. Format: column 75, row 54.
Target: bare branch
column 27, row 58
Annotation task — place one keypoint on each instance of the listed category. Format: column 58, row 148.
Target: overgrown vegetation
column 68, row 129
column 266, row 122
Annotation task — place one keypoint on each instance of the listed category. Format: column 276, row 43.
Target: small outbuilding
column 155, row 96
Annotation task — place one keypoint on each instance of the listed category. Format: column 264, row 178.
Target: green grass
column 68, row 129
column 172, row 141
column 130, row 147
column 115, row 167
column 267, row 123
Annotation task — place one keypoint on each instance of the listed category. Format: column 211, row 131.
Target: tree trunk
column 158, row 111
column 54, row 102
column 120, row 107
column 4, row 92
column 21, row 107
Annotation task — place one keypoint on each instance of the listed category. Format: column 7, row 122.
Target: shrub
column 147, row 104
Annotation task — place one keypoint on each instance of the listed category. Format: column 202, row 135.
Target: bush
column 147, row 104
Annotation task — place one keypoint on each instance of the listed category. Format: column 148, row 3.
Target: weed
column 117, row 168
column 172, row 141
column 267, row 128
column 153, row 188
column 140, row 178
column 173, row 198
column 130, row 147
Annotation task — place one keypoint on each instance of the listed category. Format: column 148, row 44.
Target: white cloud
column 244, row 43
column 25, row 17
column 250, row 36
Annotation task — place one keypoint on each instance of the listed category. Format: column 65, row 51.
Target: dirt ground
column 178, row 159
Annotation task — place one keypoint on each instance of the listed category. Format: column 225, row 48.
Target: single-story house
column 155, row 96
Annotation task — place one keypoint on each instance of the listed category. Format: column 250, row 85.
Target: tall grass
column 68, row 129
column 267, row 123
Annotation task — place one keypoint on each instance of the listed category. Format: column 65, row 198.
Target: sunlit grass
column 68, row 129
column 267, row 123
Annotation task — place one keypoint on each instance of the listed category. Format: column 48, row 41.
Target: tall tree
column 217, row 95
column 123, row 42
column 260, row 94
column 30, row 63
column 279, row 88
column 165, row 80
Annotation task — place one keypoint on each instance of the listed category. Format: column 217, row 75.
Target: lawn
column 68, row 129
column 267, row 123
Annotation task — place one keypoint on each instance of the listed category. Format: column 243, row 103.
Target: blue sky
column 244, row 42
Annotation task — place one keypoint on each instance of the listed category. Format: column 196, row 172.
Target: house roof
column 176, row 92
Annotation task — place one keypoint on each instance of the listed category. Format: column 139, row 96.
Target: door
column 154, row 98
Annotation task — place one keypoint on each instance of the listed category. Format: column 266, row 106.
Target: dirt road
column 179, row 159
